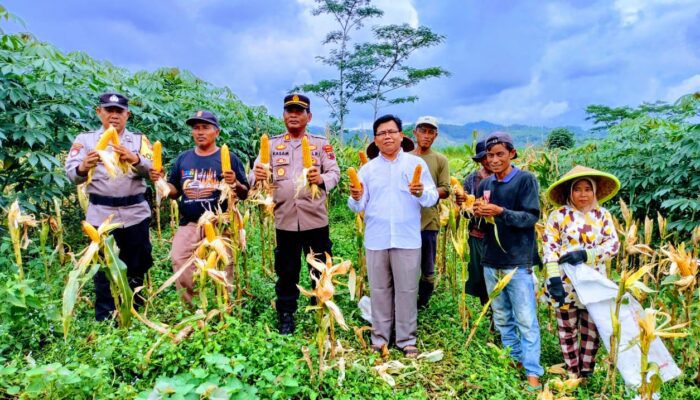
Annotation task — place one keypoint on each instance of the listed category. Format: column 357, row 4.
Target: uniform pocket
column 280, row 168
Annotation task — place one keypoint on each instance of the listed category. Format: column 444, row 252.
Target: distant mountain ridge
column 457, row 135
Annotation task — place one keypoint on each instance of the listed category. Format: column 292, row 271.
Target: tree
column 338, row 93
column 394, row 46
column 560, row 138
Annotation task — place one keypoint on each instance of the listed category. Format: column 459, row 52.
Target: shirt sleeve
column 430, row 195
column 551, row 240
column 76, row 154
column 609, row 244
column 530, row 204
column 330, row 172
column 237, row 167
column 174, row 175
column 444, row 175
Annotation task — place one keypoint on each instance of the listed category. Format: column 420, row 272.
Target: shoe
column 285, row 323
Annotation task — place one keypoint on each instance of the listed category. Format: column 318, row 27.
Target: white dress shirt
column 392, row 213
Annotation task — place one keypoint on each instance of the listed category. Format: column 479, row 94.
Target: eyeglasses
column 382, row 133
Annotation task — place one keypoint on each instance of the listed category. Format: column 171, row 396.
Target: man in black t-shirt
column 194, row 178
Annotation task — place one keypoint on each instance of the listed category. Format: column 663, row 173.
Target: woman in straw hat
column 581, row 233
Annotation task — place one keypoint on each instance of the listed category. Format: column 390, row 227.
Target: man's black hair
column 386, row 118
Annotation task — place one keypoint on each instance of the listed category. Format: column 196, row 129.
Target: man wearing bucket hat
column 392, row 205
column 194, row 180
column 581, row 233
column 426, row 131
column 301, row 219
column 475, row 285
column 511, row 197
column 122, row 196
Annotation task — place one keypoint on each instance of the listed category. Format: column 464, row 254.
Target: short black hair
column 386, row 118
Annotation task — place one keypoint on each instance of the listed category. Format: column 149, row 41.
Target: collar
column 398, row 156
column 508, row 177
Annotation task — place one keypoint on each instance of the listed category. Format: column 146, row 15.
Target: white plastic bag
column 598, row 294
column 365, row 308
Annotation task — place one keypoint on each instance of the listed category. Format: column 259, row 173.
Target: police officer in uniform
column 122, row 196
column 301, row 222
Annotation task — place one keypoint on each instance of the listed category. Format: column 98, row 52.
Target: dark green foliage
column 48, row 97
column 656, row 159
column 560, row 138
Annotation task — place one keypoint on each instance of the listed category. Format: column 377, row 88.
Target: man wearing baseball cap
column 194, row 180
column 426, row 131
column 511, row 197
column 301, row 220
column 121, row 196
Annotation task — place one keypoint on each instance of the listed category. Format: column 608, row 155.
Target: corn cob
column 363, row 157
column 211, row 260
column 456, row 185
column 354, row 179
column 225, row 159
column 416, row 175
column 91, row 232
column 264, row 149
column 115, row 136
column 306, row 153
column 209, row 232
column 157, row 156
column 104, row 140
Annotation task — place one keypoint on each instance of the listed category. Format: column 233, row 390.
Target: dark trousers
column 288, row 261
column 135, row 250
column 426, row 285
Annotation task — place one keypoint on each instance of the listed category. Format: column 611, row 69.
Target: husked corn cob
column 104, row 140
column 264, row 149
column 363, row 157
column 225, row 159
column 458, row 186
column 209, row 231
column 416, row 174
column 306, row 153
column 354, row 179
column 91, row 232
column 157, row 156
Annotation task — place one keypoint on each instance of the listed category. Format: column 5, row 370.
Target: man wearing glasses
column 392, row 205
column 426, row 132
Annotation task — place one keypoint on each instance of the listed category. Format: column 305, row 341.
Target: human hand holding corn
column 126, row 154
column 89, row 162
column 314, row 176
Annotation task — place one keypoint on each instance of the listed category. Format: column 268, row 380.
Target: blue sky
column 512, row 62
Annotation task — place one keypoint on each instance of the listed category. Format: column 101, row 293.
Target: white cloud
column 690, row 85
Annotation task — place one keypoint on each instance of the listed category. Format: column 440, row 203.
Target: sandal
column 533, row 388
column 410, row 351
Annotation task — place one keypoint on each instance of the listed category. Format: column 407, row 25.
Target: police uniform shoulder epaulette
column 317, row 136
column 278, row 136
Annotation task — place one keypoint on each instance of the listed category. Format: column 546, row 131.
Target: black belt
column 116, row 201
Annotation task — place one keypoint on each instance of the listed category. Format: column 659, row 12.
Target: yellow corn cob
column 354, row 179
column 416, row 174
column 458, row 186
column 91, row 232
column 104, row 140
column 115, row 135
column 363, row 157
column 225, row 159
column 211, row 260
column 209, row 232
column 157, row 156
column 264, row 149
column 306, row 153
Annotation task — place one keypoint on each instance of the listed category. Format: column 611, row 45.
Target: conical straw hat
column 607, row 185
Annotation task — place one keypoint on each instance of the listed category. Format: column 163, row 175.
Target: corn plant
column 500, row 285
column 56, row 224
column 18, row 225
column 101, row 254
column 327, row 312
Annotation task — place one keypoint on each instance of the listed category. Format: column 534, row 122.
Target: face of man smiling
column 388, row 138
column 499, row 157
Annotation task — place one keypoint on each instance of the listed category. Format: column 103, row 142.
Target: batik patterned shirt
column 569, row 229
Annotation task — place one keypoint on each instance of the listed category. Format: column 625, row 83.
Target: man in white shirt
column 392, row 206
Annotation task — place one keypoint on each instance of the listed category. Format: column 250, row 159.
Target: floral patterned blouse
column 569, row 229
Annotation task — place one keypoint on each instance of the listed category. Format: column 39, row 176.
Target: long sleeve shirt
column 132, row 183
column 569, row 229
column 392, row 213
column 518, row 194
column 298, row 211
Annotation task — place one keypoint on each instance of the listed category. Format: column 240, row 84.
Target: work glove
column 555, row 287
column 575, row 257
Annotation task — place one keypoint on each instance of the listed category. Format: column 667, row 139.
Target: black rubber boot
column 285, row 323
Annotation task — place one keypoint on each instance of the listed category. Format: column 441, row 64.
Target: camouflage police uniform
column 124, row 197
column 301, row 222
